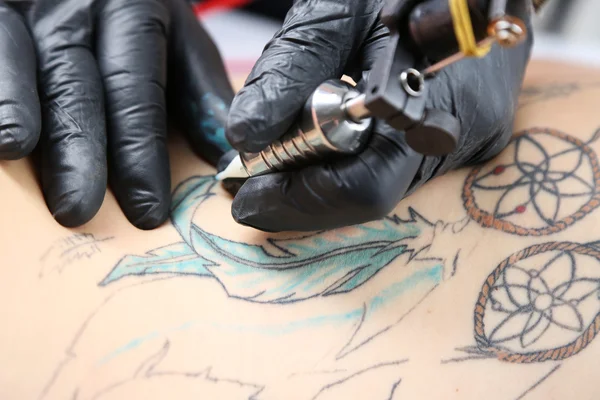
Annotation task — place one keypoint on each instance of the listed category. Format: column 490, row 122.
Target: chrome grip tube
column 292, row 149
column 325, row 128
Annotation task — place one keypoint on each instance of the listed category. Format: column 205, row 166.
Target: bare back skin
column 484, row 284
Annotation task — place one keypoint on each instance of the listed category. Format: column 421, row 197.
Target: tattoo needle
column 235, row 169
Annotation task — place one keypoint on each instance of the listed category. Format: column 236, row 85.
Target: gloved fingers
column 199, row 92
column 20, row 116
column 319, row 40
column 73, row 141
column 372, row 47
column 345, row 192
column 132, row 57
column 482, row 93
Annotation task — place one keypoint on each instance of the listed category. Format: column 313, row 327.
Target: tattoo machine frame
column 337, row 118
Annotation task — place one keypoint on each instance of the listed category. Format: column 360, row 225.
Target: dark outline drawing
column 348, row 349
column 338, row 382
column 394, row 387
column 389, row 238
column 347, row 263
column 148, row 370
column 70, row 353
column 539, row 382
column 530, row 176
column 69, row 247
column 559, row 353
column 376, row 245
column 191, row 193
column 487, row 348
column 538, row 94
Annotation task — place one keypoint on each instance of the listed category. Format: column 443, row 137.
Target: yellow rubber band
column 463, row 29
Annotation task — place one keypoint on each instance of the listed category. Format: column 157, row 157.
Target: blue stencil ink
column 131, row 345
column 263, row 329
column 430, row 276
column 396, row 289
column 212, row 112
column 320, row 264
column 283, row 271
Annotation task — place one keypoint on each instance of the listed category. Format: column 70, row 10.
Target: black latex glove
column 101, row 99
column 322, row 39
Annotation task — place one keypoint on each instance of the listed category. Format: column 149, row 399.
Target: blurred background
column 564, row 29
column 569, row 29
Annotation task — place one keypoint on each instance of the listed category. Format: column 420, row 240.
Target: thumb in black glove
column 322, row 40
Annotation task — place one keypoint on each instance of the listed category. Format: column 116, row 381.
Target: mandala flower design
column 552, row 181
column 541, row 297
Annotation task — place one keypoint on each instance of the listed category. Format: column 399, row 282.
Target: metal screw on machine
column 430, row 131
column 337, row 119
column 412, row 81
column 397, row 93
column 508, row 32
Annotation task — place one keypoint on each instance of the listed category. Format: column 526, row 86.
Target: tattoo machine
column 337, row 118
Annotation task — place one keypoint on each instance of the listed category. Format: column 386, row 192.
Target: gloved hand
column 323, row 39
column 107, row 72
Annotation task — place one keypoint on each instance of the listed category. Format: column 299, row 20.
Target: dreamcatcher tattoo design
column 555, row 185
column 541, row 303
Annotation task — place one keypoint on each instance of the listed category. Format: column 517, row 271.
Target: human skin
column 408, row 307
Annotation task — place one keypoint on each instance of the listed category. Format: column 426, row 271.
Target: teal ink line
column 266, row 330
column 322, row 264
column 133, row 344
column 210, row 125
column 398, row 288
column 393, row 291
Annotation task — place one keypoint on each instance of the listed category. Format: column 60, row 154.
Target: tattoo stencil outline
column 181, row 259
column 321, row 264
column 67, row 250
column 542, row 303
column 537, row 94
column 288, row 271
column 532, row 177
column 548, row 308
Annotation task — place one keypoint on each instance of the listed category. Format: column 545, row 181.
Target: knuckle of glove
column 19, row 105
column 306, row 51
column 374, row 185
column 482, row 94
column 75, row 207
column 146, row 211
column 19, row 132
column 366, row 196
column 377, row 205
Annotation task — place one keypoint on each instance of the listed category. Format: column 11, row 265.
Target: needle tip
column 235, row 169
